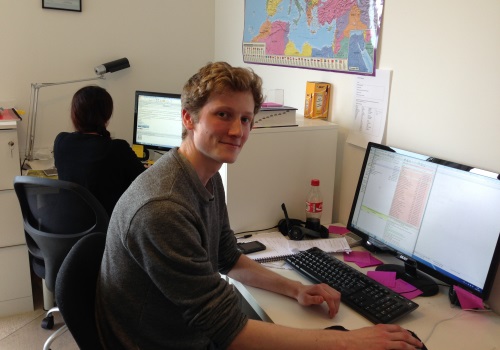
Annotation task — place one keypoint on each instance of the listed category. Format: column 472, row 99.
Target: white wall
column 445, row 94
column 165, row 42
column 445, row 89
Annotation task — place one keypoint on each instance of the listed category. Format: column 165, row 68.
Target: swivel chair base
column 53, row 337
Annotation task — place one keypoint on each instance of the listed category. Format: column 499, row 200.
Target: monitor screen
column 157, row 120
column 437, row 216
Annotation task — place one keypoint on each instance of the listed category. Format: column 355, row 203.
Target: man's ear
column 187, row 120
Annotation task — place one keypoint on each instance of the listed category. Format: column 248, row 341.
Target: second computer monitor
column 157, row 120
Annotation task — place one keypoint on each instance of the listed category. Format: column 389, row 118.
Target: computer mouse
column 337, row 328
column 416, row 336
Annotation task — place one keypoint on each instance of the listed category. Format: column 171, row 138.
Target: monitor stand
column 409, row 274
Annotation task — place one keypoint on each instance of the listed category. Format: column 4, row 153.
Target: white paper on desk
column 276, row 245
column 370, row 108
column 329, row 245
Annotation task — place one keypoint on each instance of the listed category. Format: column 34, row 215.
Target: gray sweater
column 159, row 285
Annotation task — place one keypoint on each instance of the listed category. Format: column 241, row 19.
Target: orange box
column 317, row 99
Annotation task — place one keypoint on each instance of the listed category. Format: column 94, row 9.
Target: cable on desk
column 252, row 231
column 437, row 324
column 459, row 313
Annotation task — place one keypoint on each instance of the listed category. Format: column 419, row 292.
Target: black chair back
column 76, row 287
column 56, row 215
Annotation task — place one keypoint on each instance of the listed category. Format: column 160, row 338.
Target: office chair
column 75, row 290
column 56, row 214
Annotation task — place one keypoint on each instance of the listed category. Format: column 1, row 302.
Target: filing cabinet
column 15, row 287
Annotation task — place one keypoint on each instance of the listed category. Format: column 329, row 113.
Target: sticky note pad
column 387, row 278
column 339, row 230
column 468, row 300
column 362, row 259
column 405, row 289
column 139, row 150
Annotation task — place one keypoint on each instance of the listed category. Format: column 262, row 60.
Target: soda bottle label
column 312, row 207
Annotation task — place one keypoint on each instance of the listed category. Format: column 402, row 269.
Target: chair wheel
column 48, row 322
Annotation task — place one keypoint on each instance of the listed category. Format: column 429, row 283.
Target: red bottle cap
column 314, row 182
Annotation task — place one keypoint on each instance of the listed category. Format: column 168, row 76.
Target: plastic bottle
column 314, row 207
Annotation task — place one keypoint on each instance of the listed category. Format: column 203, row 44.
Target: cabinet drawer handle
column 11, row 145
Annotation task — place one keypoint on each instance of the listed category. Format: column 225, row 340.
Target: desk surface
column 436, row 322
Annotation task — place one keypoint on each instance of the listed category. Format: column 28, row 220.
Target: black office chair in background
column 56, row 214
column 75, row 290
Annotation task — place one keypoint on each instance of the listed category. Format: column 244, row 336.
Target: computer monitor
column 439, row 217
column 157, row 120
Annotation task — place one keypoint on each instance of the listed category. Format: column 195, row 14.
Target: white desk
column 439, row 325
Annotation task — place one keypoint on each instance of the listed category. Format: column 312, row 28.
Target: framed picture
column 66, row 5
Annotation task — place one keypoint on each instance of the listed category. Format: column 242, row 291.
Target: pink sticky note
column 373, row 262
column 357, row 256
column 338, row 230
column 468, row 300
column 387, row 278
column 362, row 259
column 406, row 289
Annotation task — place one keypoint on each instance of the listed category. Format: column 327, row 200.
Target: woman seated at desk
column 89, row 156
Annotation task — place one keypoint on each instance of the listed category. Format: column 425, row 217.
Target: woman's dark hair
column 91, row 109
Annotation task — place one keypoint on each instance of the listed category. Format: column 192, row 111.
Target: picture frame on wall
column 66, row 5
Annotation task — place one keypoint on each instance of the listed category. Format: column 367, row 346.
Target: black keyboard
column 364, row 295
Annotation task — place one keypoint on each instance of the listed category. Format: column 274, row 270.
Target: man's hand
column 317, row 294
column 382, row 336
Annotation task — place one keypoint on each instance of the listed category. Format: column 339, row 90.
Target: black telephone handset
column 295, row 231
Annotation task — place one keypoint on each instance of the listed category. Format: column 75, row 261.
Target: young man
column 169, row 239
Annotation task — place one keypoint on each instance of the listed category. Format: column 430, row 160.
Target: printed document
column 371, row 99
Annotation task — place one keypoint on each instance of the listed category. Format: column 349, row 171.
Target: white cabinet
column 276, row 166
column 15, row 286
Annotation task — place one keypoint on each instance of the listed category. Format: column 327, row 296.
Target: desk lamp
column 100, row 70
